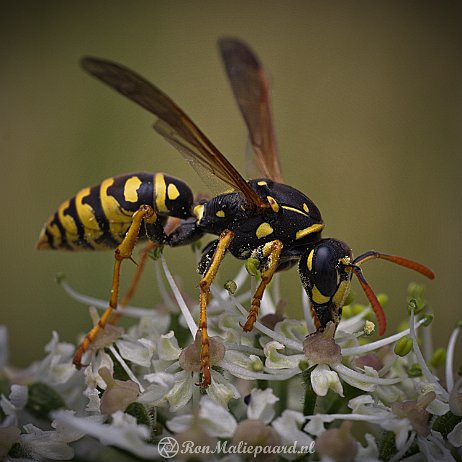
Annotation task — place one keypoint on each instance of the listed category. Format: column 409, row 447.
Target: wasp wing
column 175, row 125
column 251, row 91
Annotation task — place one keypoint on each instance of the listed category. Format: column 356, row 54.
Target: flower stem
column 310, row 396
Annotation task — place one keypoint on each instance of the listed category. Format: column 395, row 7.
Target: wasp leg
column 272, row 251
column 150, row 246
column 222, row 246
column 123, row 251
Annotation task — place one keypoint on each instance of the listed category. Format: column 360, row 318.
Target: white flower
column 100, row 361
column 15, row 403
column 323, row 379
column 137, row 351
column 289, row 427
column 214, row 419
column 220, row 390
column 160, row 385
column 167, row 347
column 181, row 392
column 123, row 432
column 275, row 360
column 434, row 449
column 455, row 436
column 261, row 405
column 94, row 401
column 45, row 444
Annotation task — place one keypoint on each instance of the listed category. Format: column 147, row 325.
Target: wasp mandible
column 262, row 218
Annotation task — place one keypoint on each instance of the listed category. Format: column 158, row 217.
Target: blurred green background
column 367, row 106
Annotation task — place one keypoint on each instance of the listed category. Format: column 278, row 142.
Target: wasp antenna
column 372, row 254
column 376, row 306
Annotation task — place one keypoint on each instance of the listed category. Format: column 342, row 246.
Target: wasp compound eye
column 327, row 265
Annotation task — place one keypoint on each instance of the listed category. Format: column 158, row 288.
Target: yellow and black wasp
column 262, row 218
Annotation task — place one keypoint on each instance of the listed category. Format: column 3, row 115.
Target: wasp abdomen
column 98, row 217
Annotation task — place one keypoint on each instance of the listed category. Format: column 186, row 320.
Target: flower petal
column 181, row 392
column 276, row 360
column 261, row 406
column 323, row 379
column 222, row 390
column 288, row 427
column 167, row 347
column 137, row 351
column 455, row 436
column 215, row 419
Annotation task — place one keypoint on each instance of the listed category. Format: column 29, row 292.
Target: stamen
column 343, row 370
column 307, row 312
column 245, row 349
column 179, row 298
column 450, row 358
column 126, row 368
column 294, row 345
column 398, row 456
column 379, row 343
column 421, row 361
column 131, row 311
column 244, row 373
column 161, row 285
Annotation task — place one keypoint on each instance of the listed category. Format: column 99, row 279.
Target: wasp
column 263, row 218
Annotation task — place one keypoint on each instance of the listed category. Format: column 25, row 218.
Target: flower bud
column 415, row 371
column 438, row 358
column 230, row 286
column 252, row 265
column 403, row 346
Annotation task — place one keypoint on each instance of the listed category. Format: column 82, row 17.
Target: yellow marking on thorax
column 263, row 230
column 310, row 230
column 309, row 261
column 293, row 209
column 172, row 192
column 161, row 191
column 305, row 208
column 131, row 189
column 273, row 204
column 220, row 214
column 199, row 212
column 318, row 297
column 262, row 183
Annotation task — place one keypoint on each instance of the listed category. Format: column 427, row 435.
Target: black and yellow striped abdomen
column 98, row 217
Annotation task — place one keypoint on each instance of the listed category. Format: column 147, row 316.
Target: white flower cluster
column 278, row 385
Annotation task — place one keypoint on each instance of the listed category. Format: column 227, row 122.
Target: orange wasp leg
column 272, row 250
column 223, row 243
column 122, row 252
column 150, row 246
